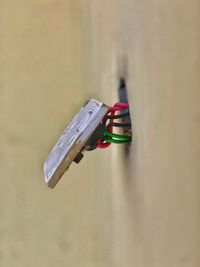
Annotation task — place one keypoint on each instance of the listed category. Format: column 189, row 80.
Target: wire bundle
column 108, row 136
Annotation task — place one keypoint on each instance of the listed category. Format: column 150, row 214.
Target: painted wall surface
column 42, row 85
column 155, row 192
column 114, row 209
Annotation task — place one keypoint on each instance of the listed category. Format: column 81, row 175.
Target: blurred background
column 113, row 209
column 42, row 86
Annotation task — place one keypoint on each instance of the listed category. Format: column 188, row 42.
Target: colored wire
column 123, row 124
column 115, row 141
column 117, row 136
column 106, row 141
column 119, row 116
column 121, row 104
column 118, row 106
column 101, row 143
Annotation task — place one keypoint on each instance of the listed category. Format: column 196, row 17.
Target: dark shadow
column 123, row 97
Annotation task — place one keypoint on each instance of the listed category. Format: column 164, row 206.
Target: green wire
column 111, row 140
column 118, row 136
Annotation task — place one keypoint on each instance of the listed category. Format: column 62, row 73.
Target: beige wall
column 155, row 45
column 42, row 84
column 113, row 209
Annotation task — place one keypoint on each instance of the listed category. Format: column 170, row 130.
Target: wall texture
column 155, row 45
column 42, row 85
column 114, row 209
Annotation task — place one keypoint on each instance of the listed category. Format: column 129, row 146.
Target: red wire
column 101, row 144
column 122, row 105
column 118, row 106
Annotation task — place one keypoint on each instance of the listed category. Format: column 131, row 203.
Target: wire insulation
column 123, row 124
column 110, row 137
column 117, row 136
column 115, row 141
column 118, row 116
